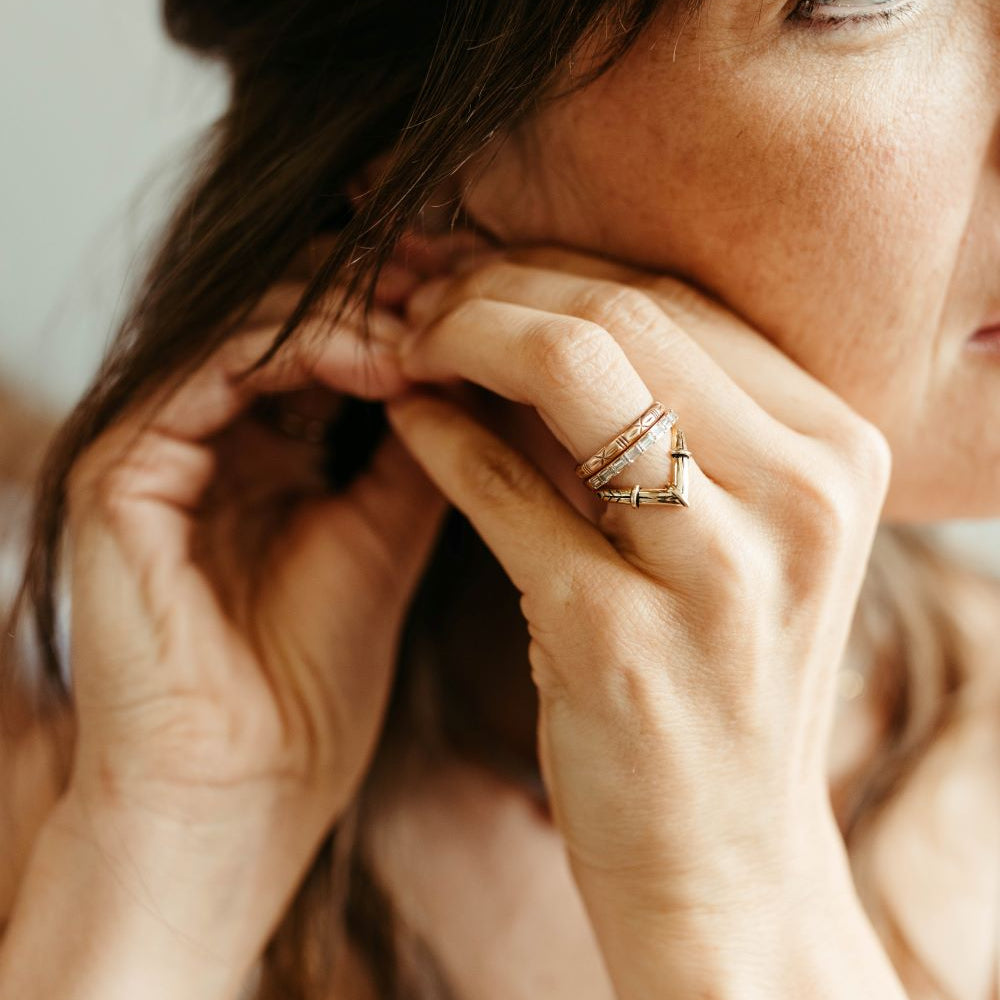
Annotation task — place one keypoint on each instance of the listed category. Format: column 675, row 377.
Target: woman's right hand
column 234, row 626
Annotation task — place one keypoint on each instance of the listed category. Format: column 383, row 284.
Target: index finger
column 218, row 391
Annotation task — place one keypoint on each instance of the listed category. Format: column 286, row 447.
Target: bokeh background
column 99, row 114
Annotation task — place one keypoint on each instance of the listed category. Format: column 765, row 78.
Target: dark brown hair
column 319, row 90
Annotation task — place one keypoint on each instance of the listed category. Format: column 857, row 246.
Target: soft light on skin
column 838, row 188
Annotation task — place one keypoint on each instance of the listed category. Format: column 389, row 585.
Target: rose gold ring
column 620, row 441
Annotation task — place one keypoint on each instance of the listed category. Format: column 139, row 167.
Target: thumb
column 347, row 570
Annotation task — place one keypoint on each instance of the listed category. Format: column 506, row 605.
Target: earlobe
column 461, row 204
column 443, row 212
column 524, row 187
column 492, row 191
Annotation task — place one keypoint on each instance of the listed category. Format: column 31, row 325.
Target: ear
column 445, row 217
column 491, row 189
column 523, row 187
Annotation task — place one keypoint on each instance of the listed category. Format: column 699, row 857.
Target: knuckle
column 89, row 485
column 110, row 492
column 103, row 479
column 833, row 481
column 597, row 603
column 584, row 609
column 814, row 524
column 818, row 506
column 615, row 306
column 868, row 453
column 579, row 589
column 741, row 571
column 857, row 448
column 573, row 352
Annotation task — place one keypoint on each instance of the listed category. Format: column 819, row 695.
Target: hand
column 234, row 624
column 685, row 658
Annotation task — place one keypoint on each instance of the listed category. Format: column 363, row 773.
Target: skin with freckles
column 837, row 185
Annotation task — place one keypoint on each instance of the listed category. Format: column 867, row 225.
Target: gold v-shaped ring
column 676, row 490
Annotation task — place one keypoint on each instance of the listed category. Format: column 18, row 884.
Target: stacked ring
column 621, row 441
column 643, row 443
column 626, row 446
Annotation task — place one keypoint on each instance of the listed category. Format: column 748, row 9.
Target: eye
column 837, row 13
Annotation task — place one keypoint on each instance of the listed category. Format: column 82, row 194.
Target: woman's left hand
column 685, row 657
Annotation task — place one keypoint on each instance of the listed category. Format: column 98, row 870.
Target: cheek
column 827, row 210
column 832, row 206
column 833, row 235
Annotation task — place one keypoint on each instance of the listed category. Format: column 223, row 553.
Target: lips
column 986, row 338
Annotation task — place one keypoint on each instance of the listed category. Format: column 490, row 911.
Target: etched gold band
column 620, row 441
column 630, row 454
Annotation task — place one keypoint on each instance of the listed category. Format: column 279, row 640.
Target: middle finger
column 576, row 373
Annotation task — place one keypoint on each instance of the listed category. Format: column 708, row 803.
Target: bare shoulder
column 930, row 871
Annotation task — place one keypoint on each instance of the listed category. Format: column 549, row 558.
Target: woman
column 776, row 219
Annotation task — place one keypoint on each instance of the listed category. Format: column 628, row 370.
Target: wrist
column 755, row 930
column 828, row 952
column 122, row 905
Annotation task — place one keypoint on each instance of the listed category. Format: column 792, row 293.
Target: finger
column 675, row 367
column 755, row 363
column 343, row 575
column 573, row 372
column 384, row 324
column 218, row 391
column 155, row 461
column 543, row 543
column 415, row 258
column 372, row 540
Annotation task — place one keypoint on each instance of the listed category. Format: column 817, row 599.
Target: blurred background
column 99, row 114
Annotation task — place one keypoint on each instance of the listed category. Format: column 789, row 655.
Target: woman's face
column 836, row 182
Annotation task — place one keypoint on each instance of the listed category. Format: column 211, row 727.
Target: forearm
column 108, row 911
column 808, row 937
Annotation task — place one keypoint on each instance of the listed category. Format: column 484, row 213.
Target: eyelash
column 809, row 20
